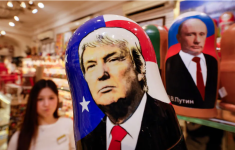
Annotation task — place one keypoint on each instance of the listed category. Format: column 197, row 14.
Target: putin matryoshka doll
column 191, row 70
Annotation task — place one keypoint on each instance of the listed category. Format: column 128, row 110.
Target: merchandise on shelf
column 227, row 69
column 113, row 81
column 225, row 21
column 66, row 108
column 191, row 68
column 16, row 117
column 158, row 37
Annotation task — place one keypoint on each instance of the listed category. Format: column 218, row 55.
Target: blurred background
column 33, row 39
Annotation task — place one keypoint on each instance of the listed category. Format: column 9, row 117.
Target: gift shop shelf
column 212, row 122
column 15, row 88
column 64, row 89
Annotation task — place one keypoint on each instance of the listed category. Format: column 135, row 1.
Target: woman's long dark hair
column 29, row 127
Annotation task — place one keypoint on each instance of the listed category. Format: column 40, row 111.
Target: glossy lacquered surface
column 192, row 35
column 227, row 69
column 225, row 21
column 158, row 37
column 114, row 81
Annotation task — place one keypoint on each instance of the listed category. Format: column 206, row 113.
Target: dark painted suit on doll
column 192, row 75
column 114, row 70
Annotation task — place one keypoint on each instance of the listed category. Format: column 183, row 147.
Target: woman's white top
column 56, row 136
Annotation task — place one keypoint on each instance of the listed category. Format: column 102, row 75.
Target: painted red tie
column 200, row 83
column 118, row 133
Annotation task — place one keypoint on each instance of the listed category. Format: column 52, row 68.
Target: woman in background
column 42, row 127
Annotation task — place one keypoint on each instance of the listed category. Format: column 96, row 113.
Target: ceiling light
column 30, row 2
column 41, row 5
column 3, row 32
column 16, row 18
column 23, row 5
column 34, row 11
column 9, row 4
column 11, row 24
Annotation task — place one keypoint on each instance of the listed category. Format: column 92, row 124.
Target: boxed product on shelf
column 61, row 83
column 66, row 108
column 16, row 117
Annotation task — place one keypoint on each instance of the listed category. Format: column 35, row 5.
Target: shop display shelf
column 212, row 122
column 4, row 98
column 28, row 75
column 64, row 89
column 56, row 77
column 27, row 87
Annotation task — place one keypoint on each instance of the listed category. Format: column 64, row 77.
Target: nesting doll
column 227, row 69
column 191, row 69
column 118, row 97
column 225, row 21
column 158, row 37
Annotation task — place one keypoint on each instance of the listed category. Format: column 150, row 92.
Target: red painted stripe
column 145, row 43
column 209, row 48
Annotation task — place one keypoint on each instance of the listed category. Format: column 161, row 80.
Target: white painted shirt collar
column 132, row 126
column 187, row 58
column 192, row 67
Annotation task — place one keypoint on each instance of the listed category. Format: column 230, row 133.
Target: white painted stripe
column 116, row 17
column 154, row 82
column 222, row 121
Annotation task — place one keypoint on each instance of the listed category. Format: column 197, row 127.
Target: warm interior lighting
column 16, row 18
column 30, row 2
column 11, row 24
column 9, row 4
column 23, row 5
column 41, row 5
column 3, row 32
column 34, row 11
